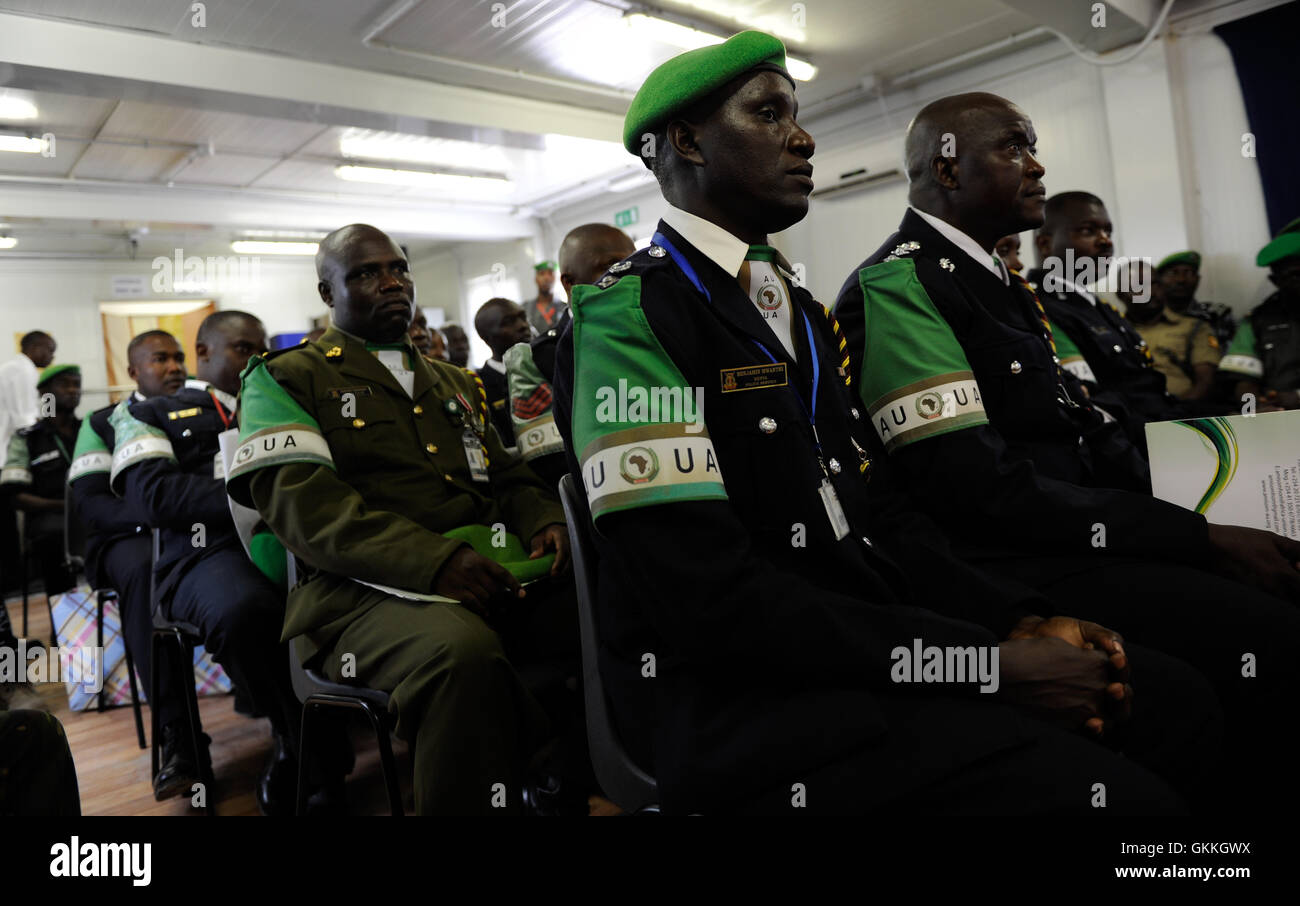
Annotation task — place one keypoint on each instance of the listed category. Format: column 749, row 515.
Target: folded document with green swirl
column 1237, row 469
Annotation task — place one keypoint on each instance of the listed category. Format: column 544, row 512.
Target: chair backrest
column 74, row 532
column 630, row 788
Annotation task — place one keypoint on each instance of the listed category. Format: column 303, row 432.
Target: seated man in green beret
column 758, row 572
column 415, row 532
column 1264, row 358
column 37, row 468
column 1179, row 275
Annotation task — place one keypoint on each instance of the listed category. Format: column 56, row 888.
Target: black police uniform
column 42, row 470
column 771, row 658
column 1033, row 485
column 118, row 551
column 166, row 466
column 497, row 389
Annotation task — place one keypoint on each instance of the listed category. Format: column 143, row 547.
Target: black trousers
column 239, row 613
column 1167, row 750
column 124, row 566
column 1214, row 624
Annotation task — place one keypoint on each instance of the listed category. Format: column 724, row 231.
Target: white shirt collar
column 137, row 396
column 497, row 365
column 230, row 402
column 967, row 245
column 715, row 243
column 1072, row 287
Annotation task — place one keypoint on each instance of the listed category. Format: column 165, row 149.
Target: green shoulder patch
column 17, row 465
column 1072, row 359
column 916, row 380
column 91, row 456
column 1242, row 358
column 637, row 426
column 134, row 441
column 273, row 429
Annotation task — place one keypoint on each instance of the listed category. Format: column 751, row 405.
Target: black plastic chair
column 316, row 692
column 74, row 552
column 183, row 638
column 629, row 787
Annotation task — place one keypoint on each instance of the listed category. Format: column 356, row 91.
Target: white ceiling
column 136, row 148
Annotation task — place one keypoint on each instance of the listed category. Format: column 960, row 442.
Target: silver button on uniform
column 767, row 425
column 1117, row 348
column 835, row 465
column 1015, row 367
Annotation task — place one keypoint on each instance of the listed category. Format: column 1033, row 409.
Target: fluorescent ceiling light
column 7, row 242
column 260, row 247
column 13, row 108
column 283, row 234
column 421, row 149
column 22, row 144
column 779, row 23
column 687, row 38
column 631, row 181
column 422, row 178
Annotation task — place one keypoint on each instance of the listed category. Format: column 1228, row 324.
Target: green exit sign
column 627, row 218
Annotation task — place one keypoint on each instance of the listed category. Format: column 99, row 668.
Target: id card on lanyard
column 825, row 490
column 475, row 453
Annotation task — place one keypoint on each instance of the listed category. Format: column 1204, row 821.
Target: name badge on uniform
column 475, row 455
column 834, row 512
column 754, row 377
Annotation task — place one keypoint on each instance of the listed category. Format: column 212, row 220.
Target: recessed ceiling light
column 15, row 108
column 423, row 178
column 21, row 144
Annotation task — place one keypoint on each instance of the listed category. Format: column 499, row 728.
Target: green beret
column 1192, row 258
column 1286, row 245
column 544, row 266
column 691, row 76
column 54, row 371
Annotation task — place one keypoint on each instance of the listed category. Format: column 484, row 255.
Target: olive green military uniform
column 358, row 478
column 1179, row 343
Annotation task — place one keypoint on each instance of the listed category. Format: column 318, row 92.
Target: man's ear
column 944, row 170
column 326, row 293
column 682, row 137
column 201, row 351
column 567, row 282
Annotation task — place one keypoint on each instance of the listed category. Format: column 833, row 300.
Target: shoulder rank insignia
column 657, row 251
column 606, row 281
column 334, row 352
column 619, row 267
column 947, row 265
column 183, row 413
column 906, row 248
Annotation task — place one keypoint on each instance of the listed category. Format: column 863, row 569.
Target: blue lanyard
column 809, row 410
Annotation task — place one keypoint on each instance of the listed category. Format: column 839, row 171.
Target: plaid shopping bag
column 74, row 615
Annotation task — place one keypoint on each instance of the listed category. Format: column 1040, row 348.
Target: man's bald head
column 365, row 278
column 502, row 323
column 589, row 250
column 970, row 161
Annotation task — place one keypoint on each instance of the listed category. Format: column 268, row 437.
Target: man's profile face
column 756, row 155
column 507, row 325
column 437, row 346
column 1086, row 228
column 232, row 346
column 66, row 388
column 158, row 367
column 1285, row 275
column 41, row 352
column 999, row 176
column 545, row 280
column 457, row 346
column 370, row 288
column 1008, row 249
column 420, row 335
column 1180, row 282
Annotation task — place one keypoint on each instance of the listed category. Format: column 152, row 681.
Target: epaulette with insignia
column 903, row 249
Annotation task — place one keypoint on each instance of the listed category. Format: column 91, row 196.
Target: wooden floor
column 113, row 772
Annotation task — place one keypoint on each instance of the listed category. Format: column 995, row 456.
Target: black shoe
column 178, row 769
column 277, row 788
column 327, row 800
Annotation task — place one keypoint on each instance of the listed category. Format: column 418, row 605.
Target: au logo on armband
column 649, row 465
column 924, row 408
